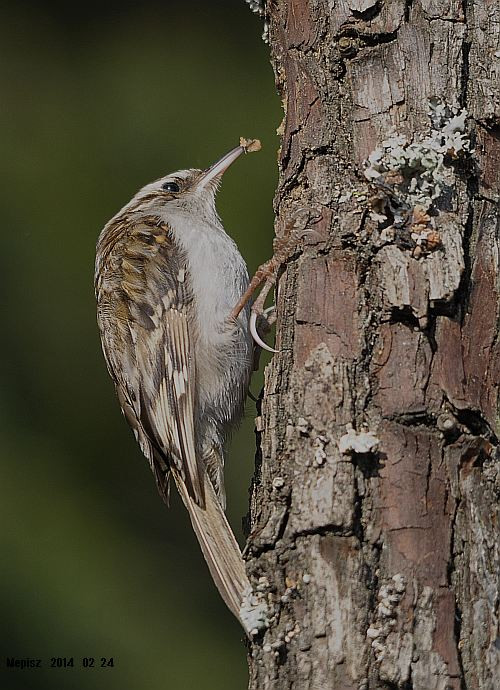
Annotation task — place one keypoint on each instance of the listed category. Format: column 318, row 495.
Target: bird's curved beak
column 215, row 171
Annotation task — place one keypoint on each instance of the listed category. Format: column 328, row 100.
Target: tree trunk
column 377, row 545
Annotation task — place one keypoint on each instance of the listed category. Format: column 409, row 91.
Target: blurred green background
column 95, row 101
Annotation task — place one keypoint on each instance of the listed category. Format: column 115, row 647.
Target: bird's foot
column 265, row 276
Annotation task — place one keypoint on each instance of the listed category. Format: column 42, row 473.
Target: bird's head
column 185, row 192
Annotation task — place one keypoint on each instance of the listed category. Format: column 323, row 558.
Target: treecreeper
column 176, row 328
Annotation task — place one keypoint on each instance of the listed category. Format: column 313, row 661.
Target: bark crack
column 465, row 68
column 457, row 628
column 408, row 9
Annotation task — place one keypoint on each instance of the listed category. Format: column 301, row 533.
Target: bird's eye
column 171, row 187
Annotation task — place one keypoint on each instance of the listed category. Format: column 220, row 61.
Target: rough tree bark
column 377, row 547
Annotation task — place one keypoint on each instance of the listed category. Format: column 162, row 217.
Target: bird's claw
column 253, row 328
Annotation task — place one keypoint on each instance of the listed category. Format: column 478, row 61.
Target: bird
column 167, row 279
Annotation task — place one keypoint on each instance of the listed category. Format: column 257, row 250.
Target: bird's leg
column 266, row 273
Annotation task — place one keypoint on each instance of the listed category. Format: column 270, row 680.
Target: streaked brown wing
column 150, row 313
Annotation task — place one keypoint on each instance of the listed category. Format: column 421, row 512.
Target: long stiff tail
column 223, row 557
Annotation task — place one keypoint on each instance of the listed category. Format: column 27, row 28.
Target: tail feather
column 223, row 556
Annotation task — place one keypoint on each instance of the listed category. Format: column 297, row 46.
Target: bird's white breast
column 219, row 277
column 217, row 270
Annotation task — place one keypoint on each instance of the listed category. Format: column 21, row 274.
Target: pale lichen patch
column 358, row 441
column 419, row 165
column 254, row 613
column 408, row 177
column 389, row 595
